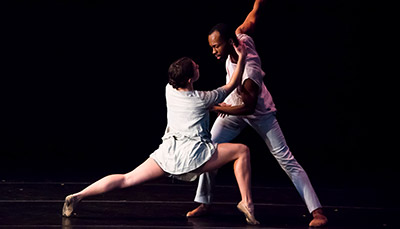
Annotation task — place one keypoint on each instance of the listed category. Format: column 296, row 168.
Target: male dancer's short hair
column 180, row 72
column 226, row 32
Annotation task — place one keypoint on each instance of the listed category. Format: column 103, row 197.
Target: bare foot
column 248, row 211
column 201, row 210
column 319, row 220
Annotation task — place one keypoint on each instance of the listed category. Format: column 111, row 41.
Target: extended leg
column 148, row 170
column 270, row 131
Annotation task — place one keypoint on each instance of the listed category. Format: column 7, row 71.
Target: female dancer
column 187, row 150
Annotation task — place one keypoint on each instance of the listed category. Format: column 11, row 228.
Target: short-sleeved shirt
column 265, row 104
column 187, row 141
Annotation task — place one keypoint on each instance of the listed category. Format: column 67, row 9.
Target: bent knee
column 244, row 149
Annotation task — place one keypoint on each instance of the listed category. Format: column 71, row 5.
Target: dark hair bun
column 180, row 72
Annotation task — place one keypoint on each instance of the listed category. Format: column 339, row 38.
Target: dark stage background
column 83, row 86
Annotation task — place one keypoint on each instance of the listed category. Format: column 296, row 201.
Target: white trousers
column 226, row 129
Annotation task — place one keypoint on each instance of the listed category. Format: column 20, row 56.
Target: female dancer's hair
column 180, row 72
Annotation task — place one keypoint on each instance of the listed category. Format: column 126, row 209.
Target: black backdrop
column 83, row 85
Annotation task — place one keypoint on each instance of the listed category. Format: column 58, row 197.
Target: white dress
column 187, row 141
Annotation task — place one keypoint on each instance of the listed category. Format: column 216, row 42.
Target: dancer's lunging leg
column 240, row 154
column 147, row 171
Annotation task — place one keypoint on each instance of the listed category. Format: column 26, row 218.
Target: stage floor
column 164, row 203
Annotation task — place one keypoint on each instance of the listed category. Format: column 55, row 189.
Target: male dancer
column 251, row 104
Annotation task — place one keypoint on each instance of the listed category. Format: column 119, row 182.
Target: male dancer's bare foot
column 69, row 205
column 201, row 210
column 319, row 220
column 248, row 211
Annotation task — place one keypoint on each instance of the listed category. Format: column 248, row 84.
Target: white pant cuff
column 314, row 207
column 203, row 199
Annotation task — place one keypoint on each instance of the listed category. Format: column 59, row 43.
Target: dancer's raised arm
column 248, row 26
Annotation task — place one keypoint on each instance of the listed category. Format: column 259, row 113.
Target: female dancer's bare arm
column 237, row 74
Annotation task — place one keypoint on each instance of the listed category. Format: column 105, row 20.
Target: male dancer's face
column 220, row 47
